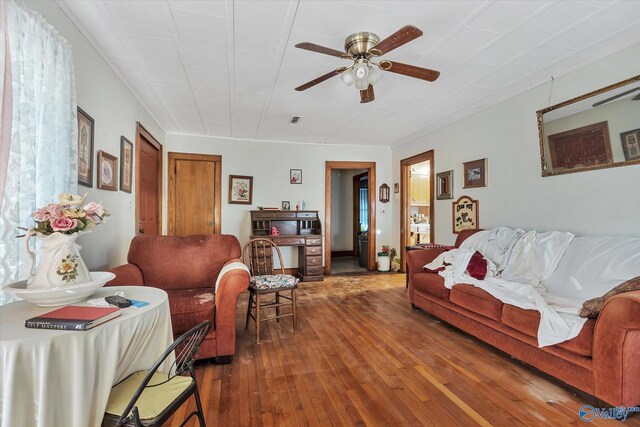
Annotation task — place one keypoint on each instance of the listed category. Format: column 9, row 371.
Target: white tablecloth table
column 63, row 378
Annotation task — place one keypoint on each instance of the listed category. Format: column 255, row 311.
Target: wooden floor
column 362, row 356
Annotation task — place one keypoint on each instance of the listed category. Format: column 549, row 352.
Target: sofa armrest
column 231, row 285
column 616, row 350
column 417, row 259
column 126, row 275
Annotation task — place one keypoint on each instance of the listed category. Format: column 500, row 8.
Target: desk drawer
column 313, row 250
column 315, row 270
column 288, row 241
column 313, row 260
column 307, row 215
column 314, row 241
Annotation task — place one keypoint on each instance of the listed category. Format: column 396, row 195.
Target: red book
column 73, row 318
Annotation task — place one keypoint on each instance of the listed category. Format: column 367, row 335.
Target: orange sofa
column 603, row 360
column 187, row 269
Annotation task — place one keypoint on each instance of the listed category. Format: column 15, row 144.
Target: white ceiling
column 229, row 68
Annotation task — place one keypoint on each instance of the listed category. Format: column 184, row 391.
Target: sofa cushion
column 431, row 284
column 190, row 307
column 527, row 321
column 173, row 262
column 477, row 300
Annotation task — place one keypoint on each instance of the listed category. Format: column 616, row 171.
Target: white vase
column 60, row 262
column 384, row 263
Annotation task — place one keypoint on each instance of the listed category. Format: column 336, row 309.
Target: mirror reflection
column 598, row 130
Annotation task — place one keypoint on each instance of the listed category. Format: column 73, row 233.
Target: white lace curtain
column 42, row 160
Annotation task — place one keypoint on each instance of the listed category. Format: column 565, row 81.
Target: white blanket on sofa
column 550, row 272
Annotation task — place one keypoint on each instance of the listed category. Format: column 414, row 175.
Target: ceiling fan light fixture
column 374, row 75
column 347, row 76
column 362, row 84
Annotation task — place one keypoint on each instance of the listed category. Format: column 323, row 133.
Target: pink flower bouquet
column 68, row 216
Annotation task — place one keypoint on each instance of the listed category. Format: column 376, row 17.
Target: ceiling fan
column 362, row 48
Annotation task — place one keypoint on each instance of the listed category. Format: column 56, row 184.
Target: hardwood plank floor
column 362, row 356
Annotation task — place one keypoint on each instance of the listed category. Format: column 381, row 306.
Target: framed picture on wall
column 631, row 144
column 85, row 148
column 240, row 189
column 444, row 185
column 475, row 173
column 126, row 164
column 107, row 171
column 465, row 214
column 295, row 176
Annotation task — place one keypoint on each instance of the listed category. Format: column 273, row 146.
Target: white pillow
column 495, row 245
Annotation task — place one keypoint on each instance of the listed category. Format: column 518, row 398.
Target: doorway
column 349, row 220
column 345, row 173
column 195, row 186
column 148, row 183
column 416, row 207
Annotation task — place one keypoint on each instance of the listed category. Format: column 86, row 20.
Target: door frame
column 141, row 131
column 405, row 167
column 371, row 170
column 217, row 182
column 356, row 210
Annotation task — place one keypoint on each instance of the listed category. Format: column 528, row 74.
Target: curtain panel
column 42, row 160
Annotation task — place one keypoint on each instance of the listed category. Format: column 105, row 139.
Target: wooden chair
column 149, row 398
column 258, row 256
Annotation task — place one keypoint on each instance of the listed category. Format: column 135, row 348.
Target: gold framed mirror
column 600, row 129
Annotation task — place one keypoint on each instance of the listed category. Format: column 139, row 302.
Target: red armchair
column 187, row 268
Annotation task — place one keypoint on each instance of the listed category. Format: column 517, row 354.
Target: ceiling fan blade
column 320, row 79
column 321, row 49
column 367, row 95
column 402, row 36
column 636, row 98
column 410, row 70
column 604, row 101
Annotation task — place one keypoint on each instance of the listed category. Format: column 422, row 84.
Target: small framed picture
column 286, row 205
column 107, row 171
column 631, row 144
column 444, row 185
column 85, row 148
column 295, row 176
column 475, row 173
column 126, row 164
column 240, row 189
column 465, row 214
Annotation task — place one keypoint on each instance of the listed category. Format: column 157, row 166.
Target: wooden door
column 194, row 194
column 149, row 188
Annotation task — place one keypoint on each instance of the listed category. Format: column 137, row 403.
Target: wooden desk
column 297, row 228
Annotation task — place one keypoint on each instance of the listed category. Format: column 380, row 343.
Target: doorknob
column 141, row 230
column 210, row 223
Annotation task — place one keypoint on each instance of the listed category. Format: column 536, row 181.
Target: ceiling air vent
column 295, row 120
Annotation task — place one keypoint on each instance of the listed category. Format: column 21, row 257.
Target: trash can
column 363, row 243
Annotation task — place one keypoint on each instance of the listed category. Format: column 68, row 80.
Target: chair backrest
column 173, row 262
column 258, row 256
column 186, row 348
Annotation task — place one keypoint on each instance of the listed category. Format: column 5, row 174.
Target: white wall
column 603, row 202
column 269, row 164
column 102, row 95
